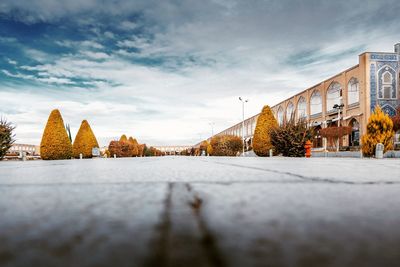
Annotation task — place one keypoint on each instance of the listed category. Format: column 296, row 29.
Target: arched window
column 333, row 96
column 317, row 140
column 280, row 116
column 354, row 137
column 315, row 103
column 353, row 91
column 289, row 111
column 387, row 77
column 301, row 108
column 387, row 86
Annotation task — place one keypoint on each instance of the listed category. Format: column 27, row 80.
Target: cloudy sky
column 161, row 71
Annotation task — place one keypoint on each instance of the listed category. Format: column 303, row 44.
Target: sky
column 163, row 71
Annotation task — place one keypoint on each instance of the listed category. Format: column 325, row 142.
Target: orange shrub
column 141, row 150
column 226, row 145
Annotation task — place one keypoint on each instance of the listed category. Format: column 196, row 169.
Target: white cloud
column 36, row 54
column 193, row 60
column 48, row 80
column 109, row 34
column 80, row 44
column 96, row 55
column 128, row 25
column 12, row 62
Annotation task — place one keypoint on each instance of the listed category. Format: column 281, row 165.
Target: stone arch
column 315, row 103
column 280, row 115
column 289, row 110
column 333, row 96
column 353, row 91
column 354, row 137
column 301, row 108
column 317, row 140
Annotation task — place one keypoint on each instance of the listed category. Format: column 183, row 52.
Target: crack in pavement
column 208, row 239
column 307, row 178
column 183, row 237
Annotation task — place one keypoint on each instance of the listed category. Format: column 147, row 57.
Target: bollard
column 270, row 153
column 80, row 156
column 307, row 147
column 115, row 156
column 379, row 151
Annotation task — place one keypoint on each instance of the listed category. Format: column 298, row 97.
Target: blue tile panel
column 380, row 63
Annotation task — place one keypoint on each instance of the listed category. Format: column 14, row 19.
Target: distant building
column 172, row 150
column 375, row 80
column 30, row 150
column 249, row 127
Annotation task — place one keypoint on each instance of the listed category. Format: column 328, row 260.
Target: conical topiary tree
column 123, row 138
column 379, row 130
column 135, row 144
column 262, row 140
column 133, row 140
column 141, row 149
column 55, row 142
column 84, row 141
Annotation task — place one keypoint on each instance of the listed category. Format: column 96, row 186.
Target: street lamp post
column 339, row 108
column 212, row 128
column 243, row 102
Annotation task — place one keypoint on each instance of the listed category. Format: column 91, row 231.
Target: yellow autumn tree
column 379, row 130
column 262, row 140
column 135, row 144
column 84, row 141
column 226, row 145
column 141, row 149
column 210, row 149
column 123, row 138
column 55, row 142
column 203, row 147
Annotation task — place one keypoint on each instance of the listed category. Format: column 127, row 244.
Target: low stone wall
column 340, row 154
column 392, row 154
column 352, row 154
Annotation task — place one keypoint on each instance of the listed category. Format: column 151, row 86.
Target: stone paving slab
column 304, row 224
column 200, row 211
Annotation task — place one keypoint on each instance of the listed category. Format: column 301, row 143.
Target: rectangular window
column 387, row 92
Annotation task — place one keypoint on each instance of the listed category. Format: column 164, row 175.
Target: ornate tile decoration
column 381, row 63
column 388, row 109
column 384, row 57
column 373, row 85
column 381, row 71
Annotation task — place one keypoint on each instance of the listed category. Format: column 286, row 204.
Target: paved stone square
column 200, row 211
